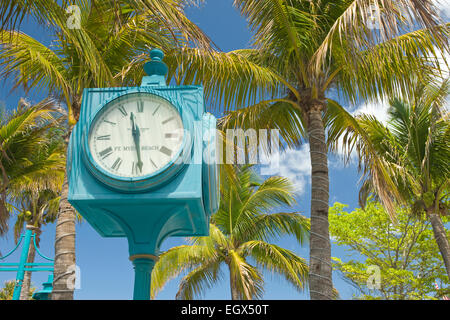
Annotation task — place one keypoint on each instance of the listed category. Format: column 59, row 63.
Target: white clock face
column 136, row 135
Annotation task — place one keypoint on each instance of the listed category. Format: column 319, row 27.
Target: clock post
column 141, row 165
column 143, row 266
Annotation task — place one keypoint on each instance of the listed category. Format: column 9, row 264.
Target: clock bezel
column 158, row 177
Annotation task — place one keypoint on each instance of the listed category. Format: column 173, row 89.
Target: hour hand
column 136, row 137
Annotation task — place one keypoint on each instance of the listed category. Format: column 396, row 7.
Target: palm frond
column 13, row 12
column 229, row 79
column 393, row 17
column 266, row 227
column 179, row 259
column 279, row 260
column 22, row 137
column 32, row 64
column 170, row 14
column 201, row 278
column 283, row 115
column 282, row 28
column 352, row 134
column 391, row 68
column 244, row 277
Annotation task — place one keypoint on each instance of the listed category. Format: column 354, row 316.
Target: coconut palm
column 301, row 51
column 239, row 239
column 21, row 134
column 112, row 40
column 36, row 195
column 413, row 149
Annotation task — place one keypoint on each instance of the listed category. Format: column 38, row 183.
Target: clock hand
column 136, row 137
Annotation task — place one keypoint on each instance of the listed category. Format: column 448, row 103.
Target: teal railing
column 23, row 265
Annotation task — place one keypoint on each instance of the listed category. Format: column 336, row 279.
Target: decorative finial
column 156, row 66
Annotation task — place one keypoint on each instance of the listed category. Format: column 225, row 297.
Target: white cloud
column 377, row 109
column 294, row 164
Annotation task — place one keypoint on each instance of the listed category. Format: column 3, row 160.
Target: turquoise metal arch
column 23, row 265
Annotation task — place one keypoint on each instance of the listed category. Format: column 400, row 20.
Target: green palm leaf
column 276, row 259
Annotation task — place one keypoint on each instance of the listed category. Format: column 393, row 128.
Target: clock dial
column 136, row 135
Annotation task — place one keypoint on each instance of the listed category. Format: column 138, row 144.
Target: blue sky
column 106, row 272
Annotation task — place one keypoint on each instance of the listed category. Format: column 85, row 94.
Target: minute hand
column 136, row 137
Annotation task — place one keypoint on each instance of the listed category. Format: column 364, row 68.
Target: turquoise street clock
column 138, row 140
column 141, row 165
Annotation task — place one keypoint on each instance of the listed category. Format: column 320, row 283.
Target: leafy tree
column 240, row 235
column 405, row 253
column 107, row 50
column 301, row 51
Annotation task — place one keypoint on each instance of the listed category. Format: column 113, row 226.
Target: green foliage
column 6, row 293
column 406, row 253
column 239, row 239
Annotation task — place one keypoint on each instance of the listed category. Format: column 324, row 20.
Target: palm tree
column 413, row 149
column 302, row 49
column 21, row 134
column 106, row 51
column 239, row 239
column 36, row 195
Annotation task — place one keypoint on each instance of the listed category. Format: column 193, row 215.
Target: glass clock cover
column 136, row 135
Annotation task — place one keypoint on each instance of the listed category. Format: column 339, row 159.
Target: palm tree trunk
column 441, row 239
column 26, row 284
column 320, row 270
column 234, row 290
column 63, row 283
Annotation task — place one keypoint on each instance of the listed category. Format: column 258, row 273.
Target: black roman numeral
column 105, row 153
column 166, row 151
column 122, row 110
column 135, row 168
column 116, row 164
column 156, row 110
column 140, row 106
column 167, row 120
column 110, row 122
column 106, row 137
column 153, row 163
column 171, row 135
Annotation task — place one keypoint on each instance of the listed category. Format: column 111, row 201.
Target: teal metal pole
column 23, row 261
column 143, row 266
